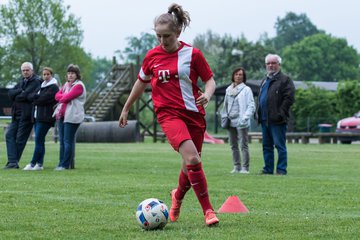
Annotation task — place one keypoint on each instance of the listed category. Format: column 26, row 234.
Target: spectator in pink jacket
column 69, row 114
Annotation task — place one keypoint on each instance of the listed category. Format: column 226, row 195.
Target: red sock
column 197, row 179
column 183, row 187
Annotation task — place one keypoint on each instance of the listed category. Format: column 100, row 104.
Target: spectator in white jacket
column 239, row 106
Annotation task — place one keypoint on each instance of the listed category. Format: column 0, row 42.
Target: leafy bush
column 314, row 106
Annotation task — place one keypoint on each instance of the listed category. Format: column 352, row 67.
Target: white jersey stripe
column 184, row 61
column 143, row 76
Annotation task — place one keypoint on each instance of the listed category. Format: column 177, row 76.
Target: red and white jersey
column 174, row 76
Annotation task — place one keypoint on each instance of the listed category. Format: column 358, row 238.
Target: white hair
column 273, row 55
column 28, row 64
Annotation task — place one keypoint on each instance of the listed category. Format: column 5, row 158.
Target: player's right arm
column 137, row 90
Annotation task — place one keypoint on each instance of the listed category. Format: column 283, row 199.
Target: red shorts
column 180, row 125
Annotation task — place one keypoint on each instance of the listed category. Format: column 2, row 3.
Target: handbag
column 225, row 122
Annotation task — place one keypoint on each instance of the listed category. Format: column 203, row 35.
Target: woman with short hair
column 70, row 114
column 239, row 106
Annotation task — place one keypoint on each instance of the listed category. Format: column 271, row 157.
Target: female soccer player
column 172, row 68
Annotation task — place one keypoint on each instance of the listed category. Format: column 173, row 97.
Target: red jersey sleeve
column 145, row 73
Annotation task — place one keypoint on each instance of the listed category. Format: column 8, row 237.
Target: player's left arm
column 205, row 96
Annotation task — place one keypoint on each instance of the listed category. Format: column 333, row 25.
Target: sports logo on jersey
column 164, row 75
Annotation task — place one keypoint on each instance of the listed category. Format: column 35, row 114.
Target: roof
column 330, row 86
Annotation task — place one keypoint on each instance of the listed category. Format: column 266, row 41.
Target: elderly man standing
column 21, row 123
column 275, row 99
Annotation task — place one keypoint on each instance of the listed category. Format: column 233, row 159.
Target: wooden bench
column 333, row 136
column 251, row 136
column 255, row 135
column 292, row 137
column 297, row 136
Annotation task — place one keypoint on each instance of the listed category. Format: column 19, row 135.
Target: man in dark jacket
column 275, row 99
column 21, row 124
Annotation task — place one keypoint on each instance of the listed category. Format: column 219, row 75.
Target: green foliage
column 314, row 106
column 43, row 33
column 291, row 29
column 75, row 55
column 321, row 57
column 348, row 93
column 226, row 53
column 100, row 68
column 318, row 199
column 137, row 48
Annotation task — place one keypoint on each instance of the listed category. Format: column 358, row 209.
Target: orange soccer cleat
column 210, row 218
column 175, row 206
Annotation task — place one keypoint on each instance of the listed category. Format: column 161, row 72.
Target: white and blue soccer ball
column 152, row 214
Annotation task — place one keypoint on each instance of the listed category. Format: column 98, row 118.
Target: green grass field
column 318, row 199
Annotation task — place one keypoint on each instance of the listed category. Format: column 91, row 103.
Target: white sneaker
column 37, row 167
column 235, row 170
column 245, row 171
column 28, row 167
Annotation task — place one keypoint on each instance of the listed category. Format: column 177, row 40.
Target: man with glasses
column 21, row 123
column 275, row 99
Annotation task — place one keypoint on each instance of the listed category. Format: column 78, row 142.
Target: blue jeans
column 67, row 137
column 41, row 129
column 16, row 137
column 274, row 135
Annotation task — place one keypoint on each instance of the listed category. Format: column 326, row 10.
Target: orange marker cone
column 233, row 205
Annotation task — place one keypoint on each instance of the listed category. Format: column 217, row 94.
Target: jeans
column 274, row 135
column 67, row 137
column 236, row 135
column 41, row 129
column 16, row 137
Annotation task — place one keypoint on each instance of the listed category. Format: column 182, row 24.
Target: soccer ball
column 152, row 214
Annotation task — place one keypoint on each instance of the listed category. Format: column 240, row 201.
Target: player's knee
column 192, row 159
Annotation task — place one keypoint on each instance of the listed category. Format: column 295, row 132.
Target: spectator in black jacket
column 44, row 103
column 21, row 123
column 275, row 99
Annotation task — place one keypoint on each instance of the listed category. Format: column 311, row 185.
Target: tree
column 75, row 55
column 43, row 33
column 226, row 53
column 209, row 43
column 291, row 29
column 321, row 57
column 101, row 67
column 348, row 93
column 137, row 47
